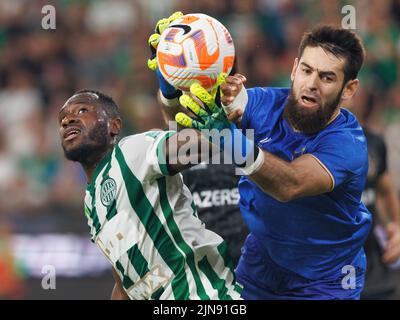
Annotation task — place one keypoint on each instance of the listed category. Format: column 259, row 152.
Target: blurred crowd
column 102, row 45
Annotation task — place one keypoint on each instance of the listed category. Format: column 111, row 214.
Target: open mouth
column 309, row 101
column 71, row 133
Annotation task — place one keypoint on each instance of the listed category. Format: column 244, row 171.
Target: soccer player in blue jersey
column 301, row 198
column 303, row 206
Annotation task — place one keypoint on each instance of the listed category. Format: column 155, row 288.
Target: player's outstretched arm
column 167, row 94
column 214, row 133
column 118, row 292
column 283, row 180
column 286, row 181
column 187, row 148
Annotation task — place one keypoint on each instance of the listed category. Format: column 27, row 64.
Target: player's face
column 83, row 129
column 317, row 87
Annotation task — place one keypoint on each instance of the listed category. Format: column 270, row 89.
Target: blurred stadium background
column 103, row 45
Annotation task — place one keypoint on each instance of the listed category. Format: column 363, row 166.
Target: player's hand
column 392, row 251
column 154, row 39
column 235, row 115
column 167, row 90
column 209, row 116
column 211, row 119
column 231, row 88
column 234, row 97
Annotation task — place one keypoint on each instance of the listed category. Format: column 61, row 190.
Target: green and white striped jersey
column 145, row 223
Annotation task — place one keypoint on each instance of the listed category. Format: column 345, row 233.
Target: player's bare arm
column 186, row 149
column 286, row 181
column 170, row 109
column 308, row 116
column 118, row 292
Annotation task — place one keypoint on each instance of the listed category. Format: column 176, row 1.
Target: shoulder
column 351, row 129
column 341, row 147
column 261, row 103
column 140, row 138
column 345, row 126
column 144, row 153
column 268, row 93
column 266, row 99
column 144, row 139
column 344, row 136
column 143, row 146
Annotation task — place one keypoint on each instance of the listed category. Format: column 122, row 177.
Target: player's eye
column 327, row 79
column 306, row 71
column 82, row 110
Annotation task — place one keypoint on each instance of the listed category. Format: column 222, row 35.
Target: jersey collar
column 106, row 159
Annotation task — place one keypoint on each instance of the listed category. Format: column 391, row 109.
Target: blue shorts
column 262, row 279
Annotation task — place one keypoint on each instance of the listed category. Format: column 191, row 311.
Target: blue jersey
column 314, row 236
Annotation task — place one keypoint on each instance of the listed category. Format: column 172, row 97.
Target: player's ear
column 115, row 126
column 350, row 89
column 295, row 64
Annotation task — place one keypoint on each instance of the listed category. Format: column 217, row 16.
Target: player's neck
column 334, row 116
column 91, row 164
column 89, row 169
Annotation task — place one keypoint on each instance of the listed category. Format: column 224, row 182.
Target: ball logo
column 185, row 28
column 108, row 192
column 196, row 48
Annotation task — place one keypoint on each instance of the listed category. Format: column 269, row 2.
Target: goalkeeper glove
column 168, row 91
column 212, row 122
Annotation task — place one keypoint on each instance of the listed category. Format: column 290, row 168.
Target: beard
column 91, row 146
column 309, row 121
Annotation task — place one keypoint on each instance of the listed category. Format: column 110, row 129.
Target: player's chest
column 279, row 141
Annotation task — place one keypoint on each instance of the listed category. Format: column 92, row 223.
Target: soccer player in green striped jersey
column 140, row 214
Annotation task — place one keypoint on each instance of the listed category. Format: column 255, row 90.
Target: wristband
column 239, row 102
column 238, row 148
column 168, row 91
column 254, row 166
column 170, row 103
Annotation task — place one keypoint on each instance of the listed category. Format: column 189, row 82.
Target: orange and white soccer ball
column 195, row 48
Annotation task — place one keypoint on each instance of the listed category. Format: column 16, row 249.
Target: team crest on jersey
column 108, row 191
column 298, row 152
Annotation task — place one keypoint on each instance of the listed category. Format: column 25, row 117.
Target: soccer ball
column 195, row 48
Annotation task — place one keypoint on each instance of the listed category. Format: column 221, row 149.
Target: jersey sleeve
column 342, row 156
column 262, row 102
column 255, row 96
column 145, row 155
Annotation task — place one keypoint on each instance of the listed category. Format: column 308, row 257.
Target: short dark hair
column 342, row 43
column 107, row 103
